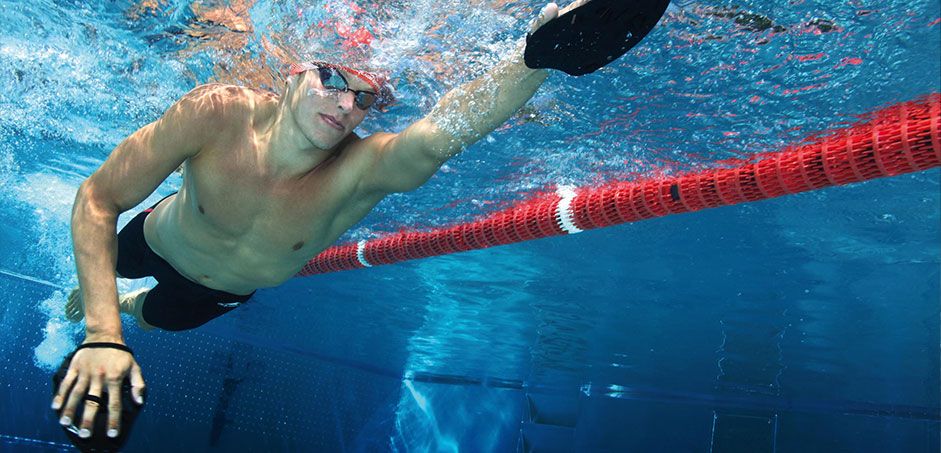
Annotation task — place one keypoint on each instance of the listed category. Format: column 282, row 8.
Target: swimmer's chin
column 322, row 138
column 320, row 143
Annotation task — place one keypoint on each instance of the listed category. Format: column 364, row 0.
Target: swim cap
column 377, row 81
column 99, row 440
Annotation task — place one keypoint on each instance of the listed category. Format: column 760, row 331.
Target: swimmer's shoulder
column 356, row 154
column 232, row 103
column 367, row 146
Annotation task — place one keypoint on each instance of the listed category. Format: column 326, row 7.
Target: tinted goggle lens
column 364, row 100
column 332, row 79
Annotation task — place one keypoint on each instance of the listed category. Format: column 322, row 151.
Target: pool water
column 809, row 322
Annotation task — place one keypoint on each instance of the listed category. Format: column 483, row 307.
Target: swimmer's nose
column 345, row 100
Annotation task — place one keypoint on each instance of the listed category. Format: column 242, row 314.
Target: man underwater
column 268, row 182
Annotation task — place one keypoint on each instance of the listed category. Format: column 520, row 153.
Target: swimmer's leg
column 74, row 307
column 131, row 303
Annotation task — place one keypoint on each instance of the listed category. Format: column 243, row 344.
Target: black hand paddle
column 99, row 441
column 589, row 37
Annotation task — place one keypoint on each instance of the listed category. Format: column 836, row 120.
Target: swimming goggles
column 332, row 79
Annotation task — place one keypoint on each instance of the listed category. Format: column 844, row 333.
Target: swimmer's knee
column 132, row 303
column 143, row 324
column 138, row 304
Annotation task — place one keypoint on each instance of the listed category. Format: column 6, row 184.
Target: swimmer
column 269, row 181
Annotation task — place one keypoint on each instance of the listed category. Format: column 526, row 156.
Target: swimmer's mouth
column 332, row 122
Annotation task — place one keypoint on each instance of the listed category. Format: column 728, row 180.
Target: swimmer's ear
column 290, row 83
column 592, row 34
column 286, row 87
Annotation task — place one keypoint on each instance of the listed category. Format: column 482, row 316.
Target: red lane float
column 900, row 139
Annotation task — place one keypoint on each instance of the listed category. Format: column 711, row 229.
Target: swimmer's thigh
column 172, row 307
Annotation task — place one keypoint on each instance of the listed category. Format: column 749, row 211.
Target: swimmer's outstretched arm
column 462, row 117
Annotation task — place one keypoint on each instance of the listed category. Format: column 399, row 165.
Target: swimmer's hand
column 551, row 11
column 91, row 371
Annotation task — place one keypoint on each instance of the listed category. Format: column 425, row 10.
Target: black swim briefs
column 176, row 303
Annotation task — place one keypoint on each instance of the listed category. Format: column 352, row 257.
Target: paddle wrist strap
column 106, row 345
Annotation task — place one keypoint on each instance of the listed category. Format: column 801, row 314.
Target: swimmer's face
column 325, row 114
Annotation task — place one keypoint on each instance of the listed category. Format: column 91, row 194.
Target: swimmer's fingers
column 547, row 13
column 137, row 384
column 572, row 6
column 59, row 399
column 75, row 397
column 114, row 407
column 91, row 402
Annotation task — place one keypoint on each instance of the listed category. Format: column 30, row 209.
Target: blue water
column 804, row 323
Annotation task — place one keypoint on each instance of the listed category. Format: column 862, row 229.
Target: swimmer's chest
column 229, row 196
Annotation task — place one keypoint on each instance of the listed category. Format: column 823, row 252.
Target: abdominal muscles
column 256, row 256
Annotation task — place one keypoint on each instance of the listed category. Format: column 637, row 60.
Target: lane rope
column 898, row 139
